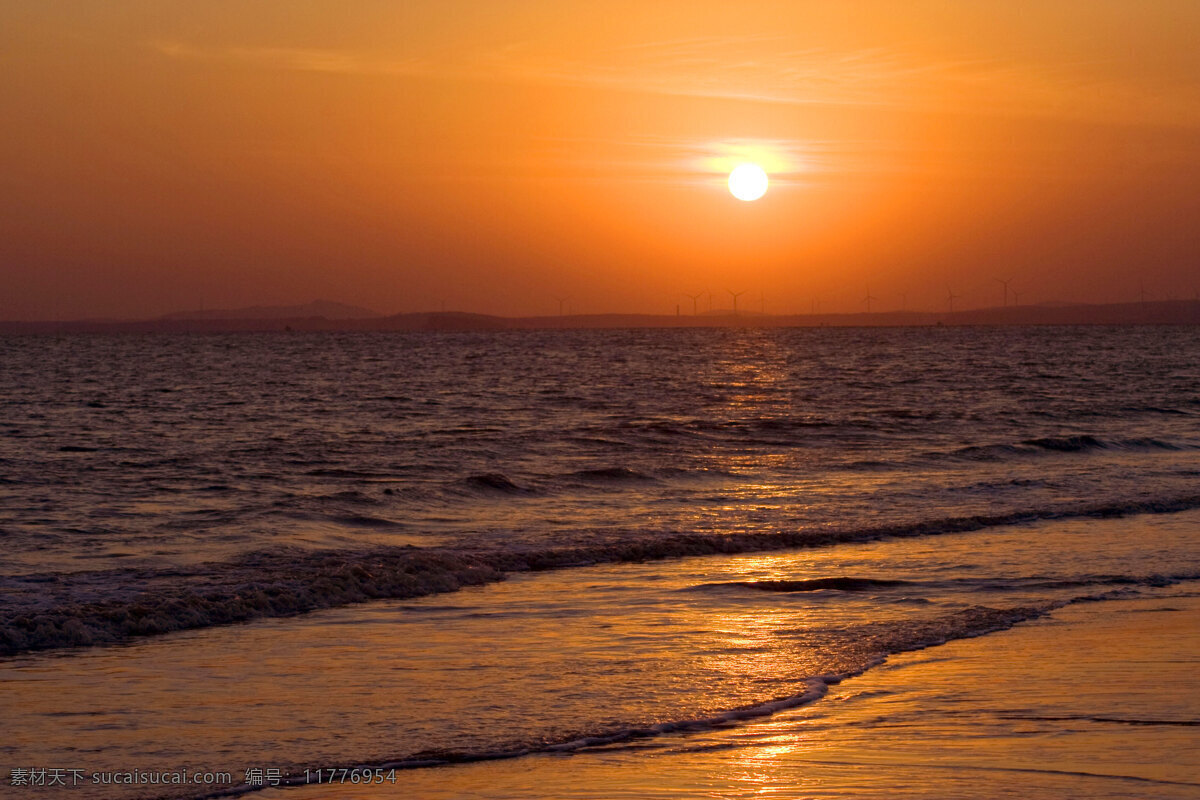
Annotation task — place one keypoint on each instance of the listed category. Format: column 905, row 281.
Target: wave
column 696, row 474
column 42, row 612
column 493, row 483
column 90, row 609
column 337, row 472
column 1156, row 410
column 1026, row 449
column 366, row 521
column 1073, row 444
column 611, row 475
column 1058, row 444
column 1024, row 584
column 871, row 645
column 840, row 583
column 348, row 497
column 1018, row 584
column 800, row 430
column 1106, row 720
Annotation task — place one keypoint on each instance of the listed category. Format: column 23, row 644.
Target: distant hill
column 317, row 308
column 327, row 316
column 437, row 321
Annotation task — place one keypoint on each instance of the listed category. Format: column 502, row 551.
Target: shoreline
column 1046, row 708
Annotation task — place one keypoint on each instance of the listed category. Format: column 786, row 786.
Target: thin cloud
column 341, row 62
column 763, row 69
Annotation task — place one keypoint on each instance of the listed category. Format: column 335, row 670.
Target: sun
column 748, row 182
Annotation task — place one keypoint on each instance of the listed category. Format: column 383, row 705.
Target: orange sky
column 158, row 155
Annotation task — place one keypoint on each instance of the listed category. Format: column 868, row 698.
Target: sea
column 245, row 562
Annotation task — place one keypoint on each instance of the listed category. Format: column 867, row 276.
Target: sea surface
column 294, row 552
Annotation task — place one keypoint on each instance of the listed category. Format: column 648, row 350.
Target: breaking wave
column 56, row 610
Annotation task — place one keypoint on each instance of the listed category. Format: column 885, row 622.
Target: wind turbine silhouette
column 694, row 297
column 1005, row 284
column 904, row 301
column 1016, row 298
column 950, row 297
column 561, row 300
column 736, row 295
column 869, row 298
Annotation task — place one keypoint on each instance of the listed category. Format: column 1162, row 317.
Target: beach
column 983, row 665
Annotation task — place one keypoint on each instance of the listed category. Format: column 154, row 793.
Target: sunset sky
column 159, row 155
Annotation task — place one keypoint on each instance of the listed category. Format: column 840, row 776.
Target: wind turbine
column 561, row 300
column 869, row 298
column 1005, row 284
column 950, row 297
column 736, row 295
column 1016, row 298
column 904, row 301
column 694, row 297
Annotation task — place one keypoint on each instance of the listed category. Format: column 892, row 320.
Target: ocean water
column 297, row 551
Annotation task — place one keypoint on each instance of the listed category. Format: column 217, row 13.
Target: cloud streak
column 765, row 69
column 341, row 62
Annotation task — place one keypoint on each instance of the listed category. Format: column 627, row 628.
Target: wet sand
column 1098, row 700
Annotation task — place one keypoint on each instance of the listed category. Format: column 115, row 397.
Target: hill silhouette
column 337, row 318
column 327, row 309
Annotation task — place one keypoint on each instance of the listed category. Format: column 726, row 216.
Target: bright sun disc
column 748, row 182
